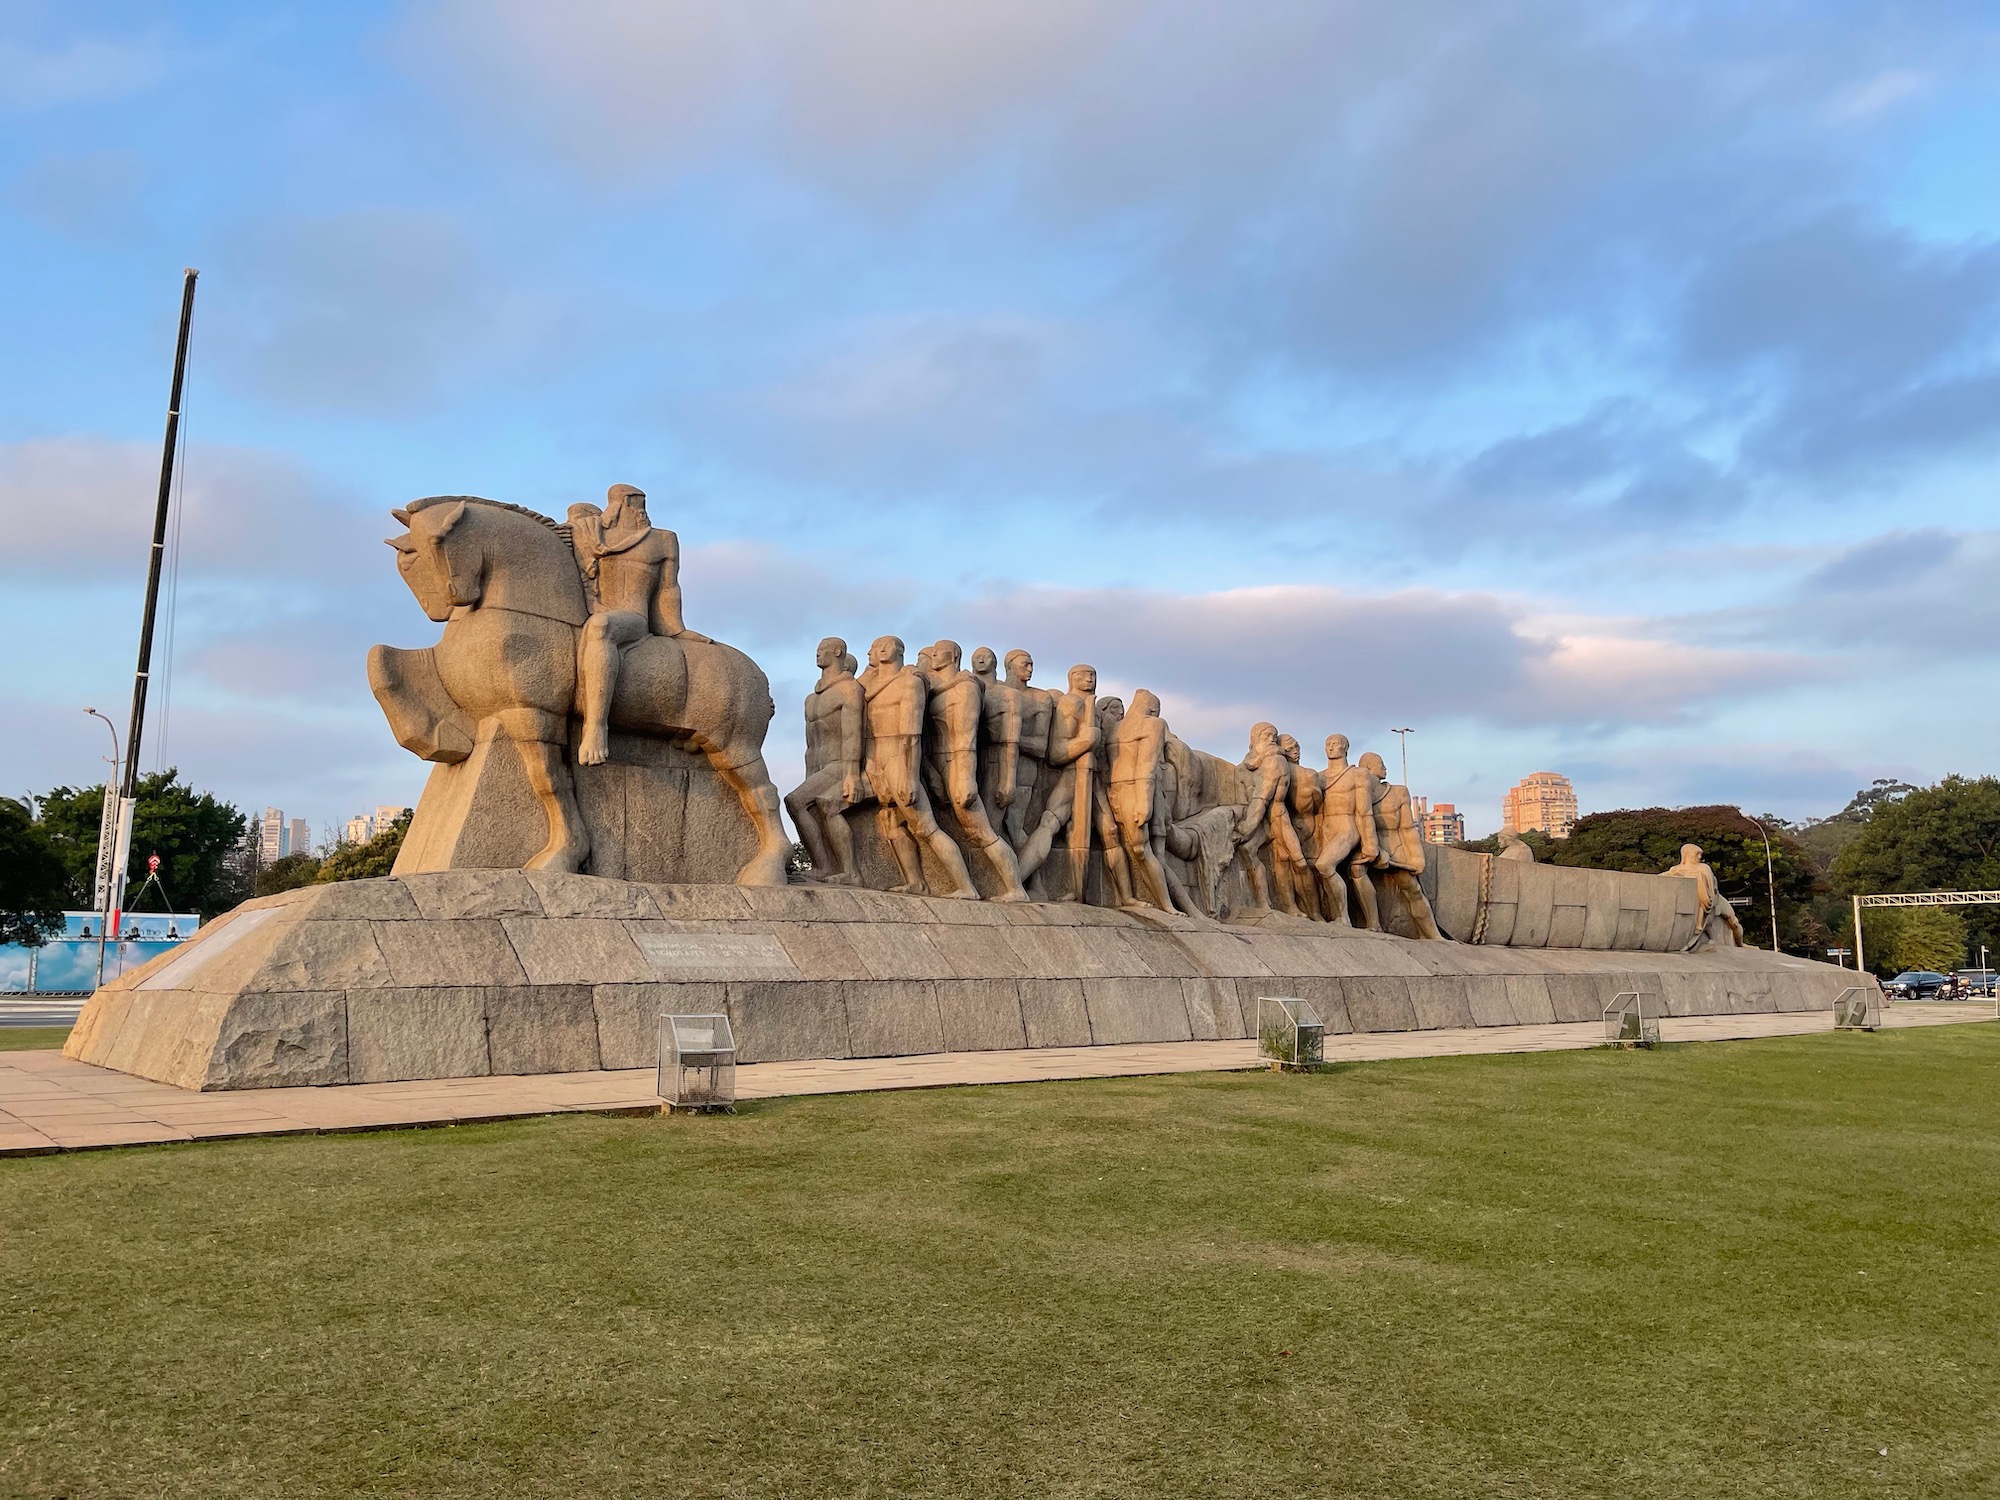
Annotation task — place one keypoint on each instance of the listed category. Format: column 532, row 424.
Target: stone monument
column 1715, row 919
column 563, row 664
column 993, row 865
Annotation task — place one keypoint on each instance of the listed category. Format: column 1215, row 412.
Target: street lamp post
column 1770, row 877
column 1403, row 737
column 107, row 839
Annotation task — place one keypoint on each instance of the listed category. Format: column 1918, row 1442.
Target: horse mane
column 520, row 510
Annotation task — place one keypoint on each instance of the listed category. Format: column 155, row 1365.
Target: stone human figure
column 1000, row 769
column 1514, row 847
column 898, row 697
column 1715, row 920
column 1344, row 836
column 632, row 582
column 836, row 722
column 1399, row 847
column 956, row 715
column 1073, row 740
column 1138, row 756
column 1266, row 823
column 1031, row 768
column 1304, row 808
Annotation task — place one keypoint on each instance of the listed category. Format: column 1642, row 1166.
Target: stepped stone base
column 469, row 972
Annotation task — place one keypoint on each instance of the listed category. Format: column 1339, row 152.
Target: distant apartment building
column 1441, row 824
column 274, row 838
column 1544, row 802
column 365, row 826
column 298, row 837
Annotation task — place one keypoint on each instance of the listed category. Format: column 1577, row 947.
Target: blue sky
column 1599, row 387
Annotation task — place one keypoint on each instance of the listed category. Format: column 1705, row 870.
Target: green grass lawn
column 31, row 1038
column 1734, row 1269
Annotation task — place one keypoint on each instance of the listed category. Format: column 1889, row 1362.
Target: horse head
column 449, row 561
column 461, row 551
column 413, row 563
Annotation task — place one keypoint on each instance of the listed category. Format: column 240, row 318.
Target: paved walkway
column 48, row 1103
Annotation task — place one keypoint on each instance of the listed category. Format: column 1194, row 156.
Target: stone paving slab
column 50, row 1103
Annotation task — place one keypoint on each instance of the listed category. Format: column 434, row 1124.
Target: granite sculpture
column 1399, row 848
column 1345, row 836
column 555, row 639
column 577, row 724
column 1716, row 923
column 836, row 709
column 974, row 785
column 955, row 720
column 898, row 699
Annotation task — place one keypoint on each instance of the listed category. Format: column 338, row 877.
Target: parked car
column 1969, row 984
column 1917, row 984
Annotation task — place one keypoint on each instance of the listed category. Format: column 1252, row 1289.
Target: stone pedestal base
column 655, row 812
column 473, row 972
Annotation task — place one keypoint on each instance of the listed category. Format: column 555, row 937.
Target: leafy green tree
column 1938, row 838
column 34, row 886
column 287, row 873
column 1649, row 840
column 1919, row 937
column 191, row 831
column 1825, row 838
column 366, row 861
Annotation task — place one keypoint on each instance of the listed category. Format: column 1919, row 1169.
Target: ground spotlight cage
column 1290, row 1032
column 1632, row 1020
column 1857, row 1008
column 697, row 1062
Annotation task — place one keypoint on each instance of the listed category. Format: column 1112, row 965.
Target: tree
column 191, row 832
column 1915, row 937
column 1825, row 838
column 1649, row 840
column 287, row 873
column 34, row 886
column 1938, row 838
column 366, row 861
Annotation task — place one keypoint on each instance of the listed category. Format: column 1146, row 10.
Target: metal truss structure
column 1915, row 898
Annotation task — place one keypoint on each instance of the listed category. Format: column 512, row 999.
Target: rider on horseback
column 632, row 579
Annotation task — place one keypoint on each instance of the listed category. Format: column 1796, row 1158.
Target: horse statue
column 505, row 583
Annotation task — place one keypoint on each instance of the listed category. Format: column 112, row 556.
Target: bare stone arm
column 1006, row 733
column 1364, row 820
column 1270, row 776
column 1068, row 751
column 852, row 710
column 667, row 619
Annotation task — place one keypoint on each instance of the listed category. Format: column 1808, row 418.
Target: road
column 40, row 1010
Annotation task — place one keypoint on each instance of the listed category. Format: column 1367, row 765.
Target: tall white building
column 273, row 836
column 1544, row 801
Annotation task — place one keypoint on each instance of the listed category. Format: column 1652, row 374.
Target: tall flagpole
column 129, row 793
